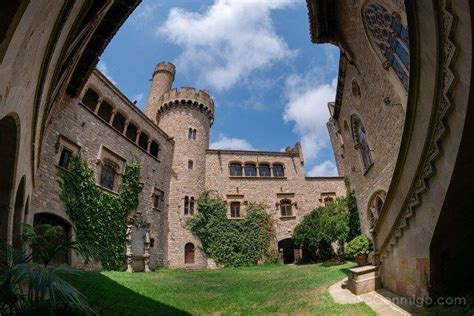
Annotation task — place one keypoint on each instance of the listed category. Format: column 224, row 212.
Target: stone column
column 112, row 116
column 138, row 136
column 125, row 126
column 99, row 102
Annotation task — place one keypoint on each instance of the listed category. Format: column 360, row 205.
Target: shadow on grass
column 108, row 297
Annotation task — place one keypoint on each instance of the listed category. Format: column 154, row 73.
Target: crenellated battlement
column 188, row 96
column 165, row 66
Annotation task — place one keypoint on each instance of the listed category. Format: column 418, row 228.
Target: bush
column 320, row 228
column 233, row 242
column 358, row 246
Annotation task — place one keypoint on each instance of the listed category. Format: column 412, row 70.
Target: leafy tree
column 354, row 223
column 322, row 227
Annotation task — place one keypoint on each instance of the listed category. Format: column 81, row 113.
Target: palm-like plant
column 30, row 288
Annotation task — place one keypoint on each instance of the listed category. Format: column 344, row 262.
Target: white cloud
column 102, row 67
column 326, row 168
column 224, row 142
column 307, row 110
column 228, row 41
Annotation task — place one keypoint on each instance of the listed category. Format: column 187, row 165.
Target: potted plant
column 359, row 247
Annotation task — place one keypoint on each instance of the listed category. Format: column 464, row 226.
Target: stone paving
column 377, row 300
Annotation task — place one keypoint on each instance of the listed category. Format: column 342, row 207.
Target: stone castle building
column 401, row 128
column 171, row 142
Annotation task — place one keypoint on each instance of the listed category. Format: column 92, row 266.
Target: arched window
column 361, row 144
column 131, row 133
column 105, row 111
column 250, row 170
column 119, row 122
column 155, row 149
column 143, row 141
column 375, row 207
column 389, row 38
column 108, row 172
column 235, row 169
column 264, row 170
column 278, row 170
column 90, row 99
column 286, row 208
column 189, row 253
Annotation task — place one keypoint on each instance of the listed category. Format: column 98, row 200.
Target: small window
column 235, row 209
column 235, row 169
column 190, row 133
column 278, row 171
column 286, row 208
column 105, row 111
column 159, row 200
column 188, row 205
column 152, row 243
column 250, row 170
column 90, row 99
column 155, row 149
column 65, row 158
column 264, row 170
column 190, row 164
column 194, row 134
column 107, row 174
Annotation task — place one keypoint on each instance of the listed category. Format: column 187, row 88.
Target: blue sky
column 270, row 84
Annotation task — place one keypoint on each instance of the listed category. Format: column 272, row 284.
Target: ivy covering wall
column 99, row 216
column 231, row 242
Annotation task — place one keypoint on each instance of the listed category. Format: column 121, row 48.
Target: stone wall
column 383, row 121
column 305, row 193
column 93, row 136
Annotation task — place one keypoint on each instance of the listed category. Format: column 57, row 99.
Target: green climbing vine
column 234, row 242
column 99, row 216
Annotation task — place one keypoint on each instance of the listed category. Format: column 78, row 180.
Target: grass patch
column 257, row 290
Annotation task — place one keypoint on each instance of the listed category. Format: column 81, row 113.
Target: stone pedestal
column 364, row 279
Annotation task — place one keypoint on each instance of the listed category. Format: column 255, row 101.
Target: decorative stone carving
column 138, row 241
column 443, row 107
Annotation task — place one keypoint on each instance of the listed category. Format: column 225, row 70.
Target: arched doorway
column 189, row 253
column 18, row 214
column 8, row 149
column 287, row 250
column 54, row 220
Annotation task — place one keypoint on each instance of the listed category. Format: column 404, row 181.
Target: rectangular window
column 235, row 209
column 159, row 200
column 188, row 205
column 65, row 158
column 190, row 164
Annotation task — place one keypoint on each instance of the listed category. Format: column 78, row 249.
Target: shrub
column 233, row 242
column 322, row 227
column 358, row 246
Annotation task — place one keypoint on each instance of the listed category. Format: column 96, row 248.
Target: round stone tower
column 162, row 80
column 186, row 115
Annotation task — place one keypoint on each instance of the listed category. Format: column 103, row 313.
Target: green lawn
column 268, row 289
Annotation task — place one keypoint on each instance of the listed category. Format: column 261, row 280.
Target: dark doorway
column 189, row 253
column 287, row 249
column 18, row 214
column 8, row 150
column 54, row 220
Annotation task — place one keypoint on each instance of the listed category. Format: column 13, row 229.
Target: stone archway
column 18, row 214
column 189, row 251
column 54, row 220
column 9, row 152
column 286, row 248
